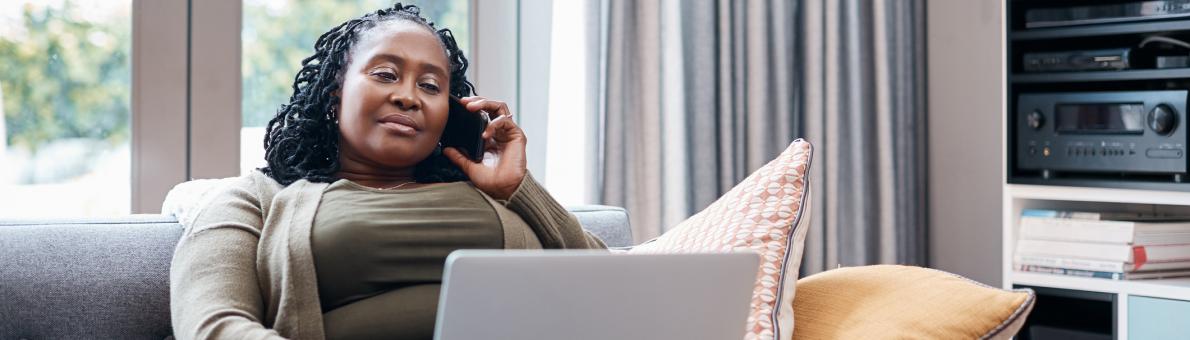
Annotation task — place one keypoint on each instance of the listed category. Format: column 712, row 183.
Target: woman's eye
column 430, row 87
column 385, row 75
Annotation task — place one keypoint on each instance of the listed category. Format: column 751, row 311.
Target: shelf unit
column 1129, row 303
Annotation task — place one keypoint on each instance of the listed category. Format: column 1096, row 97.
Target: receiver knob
column 1036, row 119
column 1163, row 119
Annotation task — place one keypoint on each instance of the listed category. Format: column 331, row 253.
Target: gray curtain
column 695, row 95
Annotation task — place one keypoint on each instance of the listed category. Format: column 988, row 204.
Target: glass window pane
column 65, row 97
column 273, row 48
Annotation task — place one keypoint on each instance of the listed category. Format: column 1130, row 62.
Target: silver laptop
column 585, row 295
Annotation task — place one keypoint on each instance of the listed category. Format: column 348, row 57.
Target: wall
column 964, row 88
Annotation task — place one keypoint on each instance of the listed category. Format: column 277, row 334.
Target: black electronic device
column 464, row 130
column 1107, row 13
column 1128, row 132
column 1081, row 60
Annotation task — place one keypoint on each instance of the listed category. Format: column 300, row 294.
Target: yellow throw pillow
column 901, row 302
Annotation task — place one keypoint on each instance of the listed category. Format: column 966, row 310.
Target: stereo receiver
column 1133, row 132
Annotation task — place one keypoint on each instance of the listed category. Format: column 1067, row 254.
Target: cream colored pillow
column 768, row 213
column 901, row 302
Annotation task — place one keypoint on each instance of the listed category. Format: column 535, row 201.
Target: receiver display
column 1105, row 118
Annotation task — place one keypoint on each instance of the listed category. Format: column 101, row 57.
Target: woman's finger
column 502, row 129
column 490, row 130
column 468, row 100
column 490, row 144
column 496, row 107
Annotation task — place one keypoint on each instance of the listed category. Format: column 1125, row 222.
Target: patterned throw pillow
column 767, row 213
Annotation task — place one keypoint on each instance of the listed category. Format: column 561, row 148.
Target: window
column 65, row 97
column 273, row 47
column 567, row 175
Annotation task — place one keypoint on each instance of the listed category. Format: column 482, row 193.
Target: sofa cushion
column 901, row 302
column 767, row 213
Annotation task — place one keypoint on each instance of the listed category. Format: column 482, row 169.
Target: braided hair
column 302, row 139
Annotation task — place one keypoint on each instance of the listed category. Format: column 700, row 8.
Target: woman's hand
column 506, row 141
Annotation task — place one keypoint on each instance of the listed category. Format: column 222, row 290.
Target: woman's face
column 394, row 99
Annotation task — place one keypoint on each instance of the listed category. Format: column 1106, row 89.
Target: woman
column 345, row 233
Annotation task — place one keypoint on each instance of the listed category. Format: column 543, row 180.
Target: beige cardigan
column 244, row 270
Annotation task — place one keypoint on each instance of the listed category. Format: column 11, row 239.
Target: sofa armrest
column 608, row 222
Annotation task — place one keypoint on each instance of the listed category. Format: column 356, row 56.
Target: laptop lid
column 595, row 295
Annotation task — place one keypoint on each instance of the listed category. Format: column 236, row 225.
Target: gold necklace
column 398, row 186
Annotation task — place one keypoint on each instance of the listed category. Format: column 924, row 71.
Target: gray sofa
column 109, row 278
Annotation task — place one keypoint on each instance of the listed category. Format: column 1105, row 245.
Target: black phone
column 464, row 130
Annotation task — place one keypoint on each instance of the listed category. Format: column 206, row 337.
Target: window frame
column 159, row 96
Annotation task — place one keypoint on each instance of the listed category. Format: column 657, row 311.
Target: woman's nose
column 403, row 99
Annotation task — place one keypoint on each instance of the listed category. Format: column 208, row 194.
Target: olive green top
column 379, row 254
column 244, row 269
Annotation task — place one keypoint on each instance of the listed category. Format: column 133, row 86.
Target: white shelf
column 1087, row 194
column 1172, row 288
column 1066, row 194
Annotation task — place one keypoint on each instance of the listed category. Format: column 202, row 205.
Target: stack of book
column 1118, row 246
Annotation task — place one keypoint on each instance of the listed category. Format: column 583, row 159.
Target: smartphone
column 464, row 130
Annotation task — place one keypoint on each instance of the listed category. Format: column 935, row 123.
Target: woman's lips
column 400, row 124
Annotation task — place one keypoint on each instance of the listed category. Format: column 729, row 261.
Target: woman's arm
column 214, row 293
column 556, row 227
